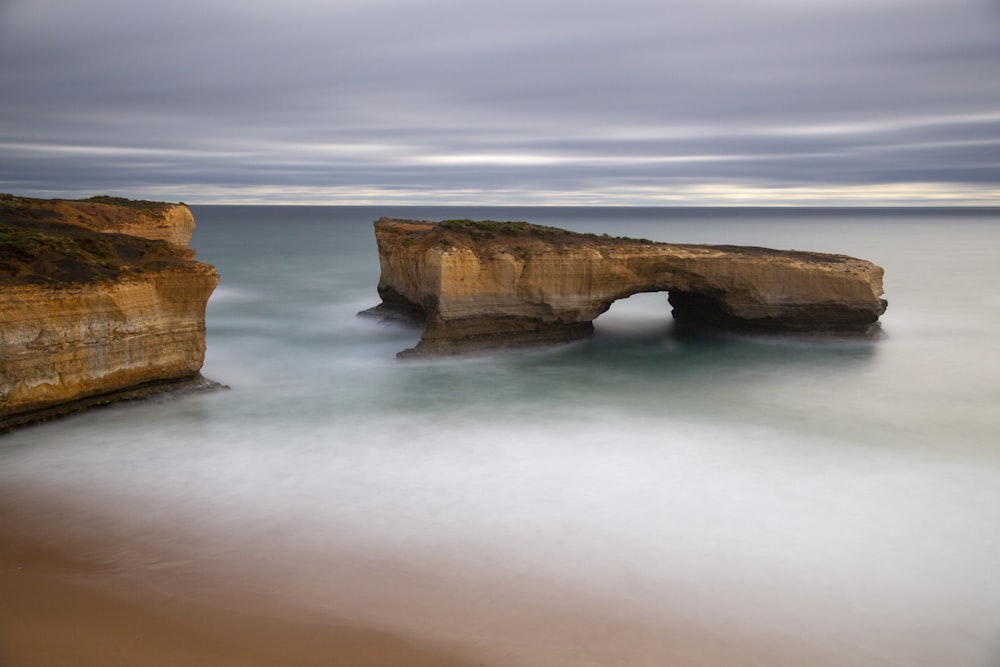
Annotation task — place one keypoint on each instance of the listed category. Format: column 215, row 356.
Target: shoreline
column 59, row 605
column 67, row 600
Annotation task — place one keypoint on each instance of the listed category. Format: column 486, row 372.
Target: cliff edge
column 483, row 283
column 100, row 300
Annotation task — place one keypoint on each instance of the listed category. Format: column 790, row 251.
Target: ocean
column 636, row 498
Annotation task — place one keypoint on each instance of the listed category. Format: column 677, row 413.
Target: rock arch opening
column 640, row 315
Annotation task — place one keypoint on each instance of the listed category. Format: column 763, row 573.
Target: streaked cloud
column 634, row 101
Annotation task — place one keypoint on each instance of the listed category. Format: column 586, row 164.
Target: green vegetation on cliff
column 48, row 241
column 56, row 254
column 480, row 230
column 12, row 203
column 134, row 204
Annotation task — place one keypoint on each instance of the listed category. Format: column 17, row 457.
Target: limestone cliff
column 483, row 283
column 89, row 316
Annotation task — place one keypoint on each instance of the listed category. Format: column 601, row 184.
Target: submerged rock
column 482, row 284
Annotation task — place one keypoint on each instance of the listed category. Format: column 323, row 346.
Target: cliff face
column 505, row 283
column 63, row 345
column 87, row 317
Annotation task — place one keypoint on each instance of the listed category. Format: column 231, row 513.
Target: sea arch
column 484, row 284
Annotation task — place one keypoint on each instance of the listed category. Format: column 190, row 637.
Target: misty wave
column 638, row 497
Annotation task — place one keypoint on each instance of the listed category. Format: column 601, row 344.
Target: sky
column 519, row 102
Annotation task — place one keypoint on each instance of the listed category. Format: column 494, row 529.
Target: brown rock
column 489, row 283
column 88, row 317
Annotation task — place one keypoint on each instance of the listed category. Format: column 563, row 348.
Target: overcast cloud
column 516, row 102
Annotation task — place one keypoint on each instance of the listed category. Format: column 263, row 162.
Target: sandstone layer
column 494, row 283
column 90, row 316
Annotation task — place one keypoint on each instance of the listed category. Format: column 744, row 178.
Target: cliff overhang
column 477, row 284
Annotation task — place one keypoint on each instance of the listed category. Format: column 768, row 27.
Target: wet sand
column 66, row 599
column 64, row 602
column 60, row 608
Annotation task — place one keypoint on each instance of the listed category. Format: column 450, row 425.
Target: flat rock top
column 97, row 213
column 526, row 238
column 48, row 242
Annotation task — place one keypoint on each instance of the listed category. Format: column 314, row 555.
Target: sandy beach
column 65, row 602
column 60, row 607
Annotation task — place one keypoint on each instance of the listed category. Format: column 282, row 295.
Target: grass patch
column 491, row 229
column 134, row 204
column 46, row 255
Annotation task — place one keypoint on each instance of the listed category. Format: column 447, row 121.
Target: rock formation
column 89, row 314
column 482, row 284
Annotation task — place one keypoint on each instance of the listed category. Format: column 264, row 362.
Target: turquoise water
column 635, row 498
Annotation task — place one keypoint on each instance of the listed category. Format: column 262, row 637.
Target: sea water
column 635, row 498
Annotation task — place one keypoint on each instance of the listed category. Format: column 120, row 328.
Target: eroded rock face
column 482, row 283
column 63, row 345
column 87, row 317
